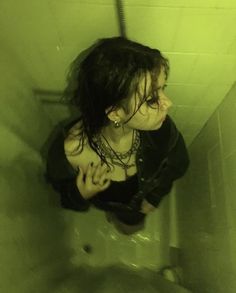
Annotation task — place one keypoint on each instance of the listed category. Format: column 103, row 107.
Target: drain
column 87, row 248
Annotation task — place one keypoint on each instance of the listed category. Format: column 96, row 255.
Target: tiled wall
column 197, row 37
column 28, row 224
column 206, row 204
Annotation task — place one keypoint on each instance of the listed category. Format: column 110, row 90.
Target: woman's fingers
column 97, row 174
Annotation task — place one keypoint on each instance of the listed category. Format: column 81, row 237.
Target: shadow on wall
column 34, row 236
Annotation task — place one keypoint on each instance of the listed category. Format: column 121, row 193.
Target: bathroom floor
column 97, row 242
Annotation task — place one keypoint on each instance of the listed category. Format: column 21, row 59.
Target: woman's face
column 150, row 116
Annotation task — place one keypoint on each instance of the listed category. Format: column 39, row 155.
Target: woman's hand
column 97, row 180
column 146, row 207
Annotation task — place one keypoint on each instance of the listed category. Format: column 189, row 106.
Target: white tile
column 181, row 66
column 153, row 27
column 214, row 69
column 227, row 122
column 230, row 182
column 204, row 31
column 173, row 3
column 74, row 25
column 186, row 94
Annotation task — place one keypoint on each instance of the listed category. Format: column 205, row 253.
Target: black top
column 161, row 158
column 120, row 191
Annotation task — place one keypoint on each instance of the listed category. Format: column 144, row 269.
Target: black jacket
column 162, row 157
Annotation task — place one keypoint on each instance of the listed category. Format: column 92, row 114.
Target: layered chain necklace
column 107, row 151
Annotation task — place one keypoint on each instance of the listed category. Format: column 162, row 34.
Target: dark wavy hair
column 107, row 75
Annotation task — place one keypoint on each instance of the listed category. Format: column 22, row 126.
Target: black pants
column 130, row 218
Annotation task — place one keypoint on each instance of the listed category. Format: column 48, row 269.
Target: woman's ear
column 113, row 115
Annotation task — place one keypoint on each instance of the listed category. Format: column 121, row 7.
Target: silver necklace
column 114, row 156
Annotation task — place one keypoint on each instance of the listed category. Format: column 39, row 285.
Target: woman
column 123, row 129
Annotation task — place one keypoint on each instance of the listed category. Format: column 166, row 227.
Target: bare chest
column 88, row 155
column 117, row 172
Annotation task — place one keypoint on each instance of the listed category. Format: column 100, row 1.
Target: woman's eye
column 152, row 101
